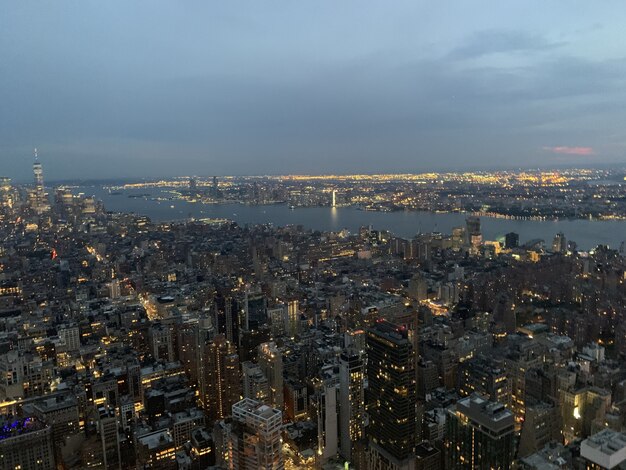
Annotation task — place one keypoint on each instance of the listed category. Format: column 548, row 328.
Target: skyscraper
column 254, row 441
column 220, row 385
column 511, row 240
column 255, row 383
column 392, row 396
column 271, row 363
column 326, row 405
column 559, row 244
column 351, row 400
column 108, row 428
column 474, row 234
column 39, row 202
column 292, row 318
column 479, row 434
column 215, row 189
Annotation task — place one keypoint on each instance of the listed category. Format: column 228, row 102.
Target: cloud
column 502, row 42
column 564, row 150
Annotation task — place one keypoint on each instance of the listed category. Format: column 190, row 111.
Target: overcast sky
column 108, row 88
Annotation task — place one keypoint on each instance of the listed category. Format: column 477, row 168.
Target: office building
column 540, row 427
column 559, row 243
column 271, row 364
column 292, row 318
column 604, row 450
column 511, row 240
column 474, row 234
column 156, row 449
column 109, row 437
column 59, row 412
column 427, row 457
column 25, row 443
column 479, row 434
column 220, row 385
column 486, row 376
column 351, row 400
column 326, row 403
column 39, row 199
column 255, row 438
column 392, row 397
column 255, row 384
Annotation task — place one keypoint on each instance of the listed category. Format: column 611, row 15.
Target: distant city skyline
column 614, row 168
column 151, row 89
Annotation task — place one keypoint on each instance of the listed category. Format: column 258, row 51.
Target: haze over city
column 154, row 88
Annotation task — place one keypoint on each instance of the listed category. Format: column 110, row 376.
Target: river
column 586, row 233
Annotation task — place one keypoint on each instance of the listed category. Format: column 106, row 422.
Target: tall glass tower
column 39, row 194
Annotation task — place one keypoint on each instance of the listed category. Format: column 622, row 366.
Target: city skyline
column 358, row 322
column 216, row 89
column 312, row 236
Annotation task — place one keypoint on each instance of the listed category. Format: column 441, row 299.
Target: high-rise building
column 540, row 427
column 215, row 189
column 277, row 321
column 511, row 240
column 559, row 243
column 418, row 288
column 114, row 289
column 327, row 411
column 296, row 400
column 271, row 363
column 156, row 449
column 486, row 376
column 202, row 448
column 7, row 196
column 479, row 434
column 40, row 204
column 109, row 437
column 604, row 450
column 255, row 307
column 292, row 317
column 580, row 408
column 71, row 337
column 474, row 234
column 161, row 342
column 427, row 457
column 60, row 412
column 391, row 396
column 255, row 437
column 227, row 318
column 25, row 443
column 351, row 400
column 220, row 385
column 255, row 383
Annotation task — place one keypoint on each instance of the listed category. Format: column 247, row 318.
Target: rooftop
column 607, row 441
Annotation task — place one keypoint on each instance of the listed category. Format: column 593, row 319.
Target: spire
column 36, row 157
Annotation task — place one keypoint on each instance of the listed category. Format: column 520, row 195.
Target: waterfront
column 587, row 233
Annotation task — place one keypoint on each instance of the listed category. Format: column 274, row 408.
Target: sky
column 149, row 88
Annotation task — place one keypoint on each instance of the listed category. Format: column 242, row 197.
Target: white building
column 255, row 439
column 606, row 449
